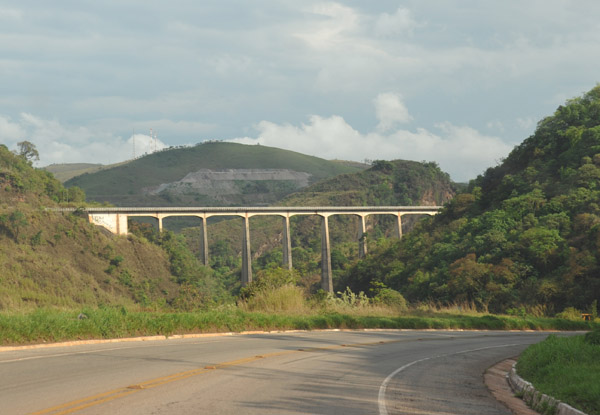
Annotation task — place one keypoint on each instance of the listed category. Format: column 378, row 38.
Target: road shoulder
column 496, row 381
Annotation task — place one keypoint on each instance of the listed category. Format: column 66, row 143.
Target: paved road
column 374, row 372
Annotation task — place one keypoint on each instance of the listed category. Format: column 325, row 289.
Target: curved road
column 328, row 372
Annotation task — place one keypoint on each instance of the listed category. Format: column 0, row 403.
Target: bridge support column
column 287, row 243
column 399, row 226
column 114, row 222
column 326, row 274
column 246, row 254
column 122, row 225
column 362, row 237
column 160, row 225
column 204, row 242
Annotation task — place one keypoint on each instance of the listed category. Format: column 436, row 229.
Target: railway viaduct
column 115, row 220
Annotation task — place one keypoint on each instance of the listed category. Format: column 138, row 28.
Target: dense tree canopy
column 527, row 232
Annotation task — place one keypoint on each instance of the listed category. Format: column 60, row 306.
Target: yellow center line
column 69, row 407
column 80, row 404
column 97, row 402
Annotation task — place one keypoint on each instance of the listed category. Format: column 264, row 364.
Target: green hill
column 525, row 235
column 209, row 174
column 49, row 259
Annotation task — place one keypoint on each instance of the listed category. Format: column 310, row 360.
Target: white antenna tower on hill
column 154, row 141
column 133, row 139
column 151, row 138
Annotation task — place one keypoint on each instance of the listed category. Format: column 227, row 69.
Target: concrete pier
column 326, row 274
column 287, row 244
column 362, row 237
column 399, row 226
column 204, row 242
column 246, row 254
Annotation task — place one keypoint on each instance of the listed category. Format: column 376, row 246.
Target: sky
column 457, row 82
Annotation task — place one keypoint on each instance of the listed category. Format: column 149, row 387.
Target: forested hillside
column 51, row 259
column 525, row 234
column 385, row 183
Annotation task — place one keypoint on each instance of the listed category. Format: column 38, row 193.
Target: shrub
column 346, row 300
column 382, row 295
column 273, row 289
column 125, row 278
column 570, row 313
column 14, row 223
column 593, row 309
column 593, row 337
column 269, row 279
column 116, row 261
column 391, row 298
column 36, row 239
column 285, row 298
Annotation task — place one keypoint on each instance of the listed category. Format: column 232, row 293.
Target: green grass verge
column 46, row 325
column 566, row 368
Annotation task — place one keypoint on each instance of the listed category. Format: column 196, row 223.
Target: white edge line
column 45, row 356
column 242, row 333
column 384, row 384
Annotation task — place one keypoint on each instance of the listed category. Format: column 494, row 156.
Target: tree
column 468, row 280
column 14, row 223
column 541, row 245
column 28, row 151
column 75, row 194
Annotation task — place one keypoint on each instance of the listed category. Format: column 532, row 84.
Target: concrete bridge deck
column 115, row 219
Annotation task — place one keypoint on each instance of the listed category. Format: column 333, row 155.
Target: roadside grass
column 52, row 325
column 287, row 298
column 566, row 368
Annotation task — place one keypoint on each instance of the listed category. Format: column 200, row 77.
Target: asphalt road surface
column 327, row 372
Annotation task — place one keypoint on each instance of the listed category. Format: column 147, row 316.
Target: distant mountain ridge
column 209, row 174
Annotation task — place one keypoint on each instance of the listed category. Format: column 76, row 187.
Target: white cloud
column 10, row 131
column 332, row 25
column 495, row 125
column 527, row 123
column 165, row 129
column 461, row 151
column 465, row 152
column 398, row 23
column 141, row 144
column 58, row 143
column 11, row 14
column 390, row 111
